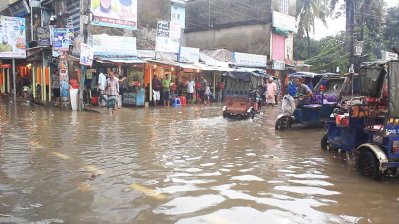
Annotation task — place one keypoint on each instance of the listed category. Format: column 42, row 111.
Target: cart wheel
column 252, row 114
column 283, row 123
column 325, row 143
column 368, row 164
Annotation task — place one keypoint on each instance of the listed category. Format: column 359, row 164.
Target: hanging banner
column 105, row 45
column 114, row 13
column 86, row 54
column 36, row 22
column 13, row 39
column 163, row 29
column 61, row 39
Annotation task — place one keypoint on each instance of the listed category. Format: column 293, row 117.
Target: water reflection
column 176, row 165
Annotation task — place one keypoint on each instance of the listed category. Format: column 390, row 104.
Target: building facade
column 251, row 26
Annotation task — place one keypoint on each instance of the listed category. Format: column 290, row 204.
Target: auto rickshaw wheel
column 368, row 164
column 325, row 143
column 252, row 114
column 283, row 123
column 224, row 114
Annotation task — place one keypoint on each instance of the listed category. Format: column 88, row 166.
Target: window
column 284, row 6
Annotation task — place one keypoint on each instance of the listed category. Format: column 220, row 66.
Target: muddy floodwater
column 177, row 165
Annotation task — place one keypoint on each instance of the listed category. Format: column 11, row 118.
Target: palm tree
column 371, row 9
column 307, row 12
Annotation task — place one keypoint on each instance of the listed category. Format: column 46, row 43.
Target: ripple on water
column 185, row 205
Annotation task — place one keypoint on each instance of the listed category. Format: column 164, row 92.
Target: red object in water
column 94, row 100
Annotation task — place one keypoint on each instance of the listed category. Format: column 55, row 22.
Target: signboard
column 105, row 45
column 34, row 3
column 43, row 36
column 61, row 39
column 166, row 44
column 250, row 60
column 189, row 55
column 175, row 31
column 358, row 48
column 284, row 21
column 86, row 54
column 389, row 56
column 19, row 8
column 63, row 76
column 178, row 14
column 114, row 13
column 278, row 65
column 163, row 29
column 13, row 39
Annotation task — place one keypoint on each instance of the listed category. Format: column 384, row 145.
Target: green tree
column 307, row 12
column 331, row 53
column 391, row 28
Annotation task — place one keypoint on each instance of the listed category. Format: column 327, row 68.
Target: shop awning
column 133, row 60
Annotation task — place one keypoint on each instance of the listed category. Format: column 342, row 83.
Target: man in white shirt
column 102, row 82
column 190, row 88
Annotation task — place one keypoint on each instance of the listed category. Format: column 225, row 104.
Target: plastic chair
column 176, row 102
column 183, row 100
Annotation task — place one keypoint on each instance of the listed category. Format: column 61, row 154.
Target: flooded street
column 177, row 165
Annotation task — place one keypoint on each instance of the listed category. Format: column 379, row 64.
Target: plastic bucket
column 74, row 98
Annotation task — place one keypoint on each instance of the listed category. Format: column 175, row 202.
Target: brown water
column 182, row 166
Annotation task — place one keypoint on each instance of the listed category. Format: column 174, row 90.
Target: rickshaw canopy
column 393, row 88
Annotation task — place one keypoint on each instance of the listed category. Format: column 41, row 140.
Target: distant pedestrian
column 190, row 88
column 166, row 90
column 112, row 91
column 203, row 86
column 271, row 90
column 101, row 85
column 156, row 89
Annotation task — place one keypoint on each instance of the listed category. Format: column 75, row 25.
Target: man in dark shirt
column 156, row 89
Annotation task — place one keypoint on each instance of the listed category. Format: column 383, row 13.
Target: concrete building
column 248, row 26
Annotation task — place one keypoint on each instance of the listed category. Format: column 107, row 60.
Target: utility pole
column 352, row 31
column 84, row 7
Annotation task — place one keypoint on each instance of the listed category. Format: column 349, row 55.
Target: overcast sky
column 337, row 25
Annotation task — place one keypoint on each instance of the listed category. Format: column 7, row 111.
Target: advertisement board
column 114, row 13
column 166, row 44
column 105, row 45
column 162, row 28
column 250, row 60
column 43, row 36
column 175, row 30
column 178, row 14
column 86, row 54
column 278, row 65
column 19, row 8
column 284, row 21
column 61, row 39
column 189, row 55
column 12, row 36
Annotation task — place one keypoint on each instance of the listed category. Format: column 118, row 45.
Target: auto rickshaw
column 242, row 99
column 368, row 126
column 326, row 94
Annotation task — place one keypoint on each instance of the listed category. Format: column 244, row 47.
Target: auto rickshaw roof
column 304, row 75
column 244, row 76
